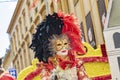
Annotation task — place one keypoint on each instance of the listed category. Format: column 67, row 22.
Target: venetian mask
column 59, row 44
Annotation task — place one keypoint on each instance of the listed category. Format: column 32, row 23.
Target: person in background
column 4, row 75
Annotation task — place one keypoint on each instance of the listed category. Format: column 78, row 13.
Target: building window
column 17, row 34
column 102, row 12
column 29, row 55
column 14, row 42
column 30, row 19
column 42, row 1
column 118, row 58
column 18, row 67
column 21, row 29
column 22, row 36
column 21, row 60
column 26, row 28
column 28, row 10
column 116, row 38
column 36, row 9
column 25, row 57
column 75, row 2
column 0, row 62
column 19, row 42
column 82, row 31
column 24, row 20
column 90, row 31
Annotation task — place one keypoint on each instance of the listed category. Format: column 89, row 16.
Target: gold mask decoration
column 58, row 42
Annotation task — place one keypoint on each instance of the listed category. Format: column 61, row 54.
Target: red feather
column 72, row 29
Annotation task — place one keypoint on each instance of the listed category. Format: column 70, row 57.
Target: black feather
column 49, row 26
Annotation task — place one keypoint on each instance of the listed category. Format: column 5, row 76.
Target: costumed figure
column 56, row 43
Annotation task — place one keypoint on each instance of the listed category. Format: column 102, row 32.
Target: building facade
column 112, row 38
column 29, row 13
column 6, row 64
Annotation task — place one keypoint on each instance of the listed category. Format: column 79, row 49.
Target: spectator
column 5, row 75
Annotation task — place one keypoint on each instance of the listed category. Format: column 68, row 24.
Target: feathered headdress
column 56, row 24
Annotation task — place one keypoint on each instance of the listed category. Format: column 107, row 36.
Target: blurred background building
column 112, row 38
column 0, row 62
column 29, row 13
column 7, row 60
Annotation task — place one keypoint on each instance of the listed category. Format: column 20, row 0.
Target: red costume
column 56, row 42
